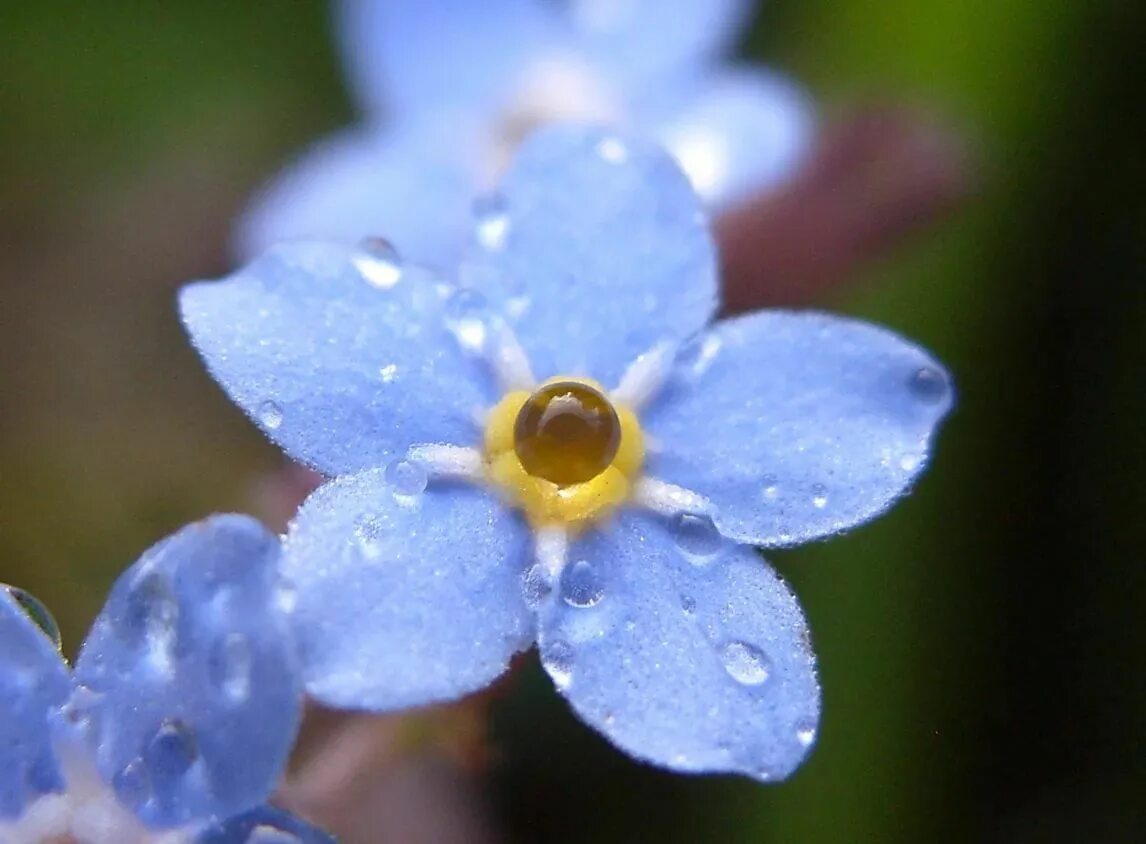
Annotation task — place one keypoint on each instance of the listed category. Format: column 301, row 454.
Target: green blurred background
column 982, row 649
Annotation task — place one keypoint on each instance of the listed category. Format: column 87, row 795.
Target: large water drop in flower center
column 567, row 433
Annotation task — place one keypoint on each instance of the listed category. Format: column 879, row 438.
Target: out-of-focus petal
column 406, row 186
column 642, row 40
column 602, row 251
column 407, row 594
column 684, row 649
column 188, row 694
column 33, row 681
column 794, row 425
column 264, row 825
column 342, row 356
column 735, row 134
column 408, row 56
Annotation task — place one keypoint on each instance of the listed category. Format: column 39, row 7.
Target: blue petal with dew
column 796, row 426
column 683, row 649
column 605, row 252
column 342, row 355
column 33, row 681
column 264, row 825
column 407, row 594
column 188, row 695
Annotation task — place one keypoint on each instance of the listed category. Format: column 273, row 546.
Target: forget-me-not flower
column 176, row 723
column 449, row 88
column 560, row 449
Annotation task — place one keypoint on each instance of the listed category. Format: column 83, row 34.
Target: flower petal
column 33, row 681
column 606, row 252
column 341, row 356
column 436, row 54
column 188, row 692
column 403, row 185
column 735, row 134
column 683, row 649
column 797, row 425
column 406, row 595
column 264, row 825
column 640, row 40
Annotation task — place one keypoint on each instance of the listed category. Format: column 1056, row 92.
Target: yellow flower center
column 564, row 453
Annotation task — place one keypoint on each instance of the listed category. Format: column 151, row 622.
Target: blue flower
column 489, row 491
column 177, row 721
column 450, row 87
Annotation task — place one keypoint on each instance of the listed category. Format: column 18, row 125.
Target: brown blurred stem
column 875, row 178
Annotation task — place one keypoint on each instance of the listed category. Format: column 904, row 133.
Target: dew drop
column 270, row 415
column 697, row 537
column 535, row 586
column 149, row 617
column 928, row 384
column 132, row 784
column 581, row 585
column 34, row 608
column 171, row 751
column 558, row 660
column 613, row 150
column 492, row 221
column 267, row 834
column 378, row 262
column 688, row 605
column 805, row 733
column 79, row 712
column 771, row 487
column 230, row 667
column 467, row 315
column 819, row 496
column 745, row 663
column 407, row 478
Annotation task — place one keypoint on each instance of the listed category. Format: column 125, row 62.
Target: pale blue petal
column 188, row 692
column 33, row 680
column 797, row 425
column 341, row 356
column 736, row 134
column 407, row 185
column 438, row 54
column 605, row 252
column 264, row 825
column 641, row 40
column 684, row 649
column 407, row 595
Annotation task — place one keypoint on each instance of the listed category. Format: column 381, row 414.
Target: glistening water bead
column 34, row 608
column 567, row 432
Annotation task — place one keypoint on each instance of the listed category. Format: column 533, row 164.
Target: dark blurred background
column 982, row 649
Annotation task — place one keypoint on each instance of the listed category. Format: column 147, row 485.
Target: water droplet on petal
column 171, row 751
column 581, row 585
column 270, row 415
column 407, row 478
column 536, row 586
column 34, row 608
column 697, row 537
column 132, row 784
column 267, row 834
column 613, row 150
column 929, row 385
column 771, row 487
column 378, row 262
column 819, row 496
column 558, row 661
column 688, row 604
column 79, row 712
column 805, row 733
column 230, row 667
column 492, row 220
column 745, row 663
column 149, row 618
column 467, row 315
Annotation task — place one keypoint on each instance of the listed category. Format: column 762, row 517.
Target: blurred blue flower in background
column 490, row 492
column 177, row 721
column 450, row 87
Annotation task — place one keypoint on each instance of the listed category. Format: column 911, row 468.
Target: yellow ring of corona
column 548, row 504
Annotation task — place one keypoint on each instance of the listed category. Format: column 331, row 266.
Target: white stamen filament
column 551, row 545
column 669, row 499
column 645, row 377
column 448, row 461
column 510, row 362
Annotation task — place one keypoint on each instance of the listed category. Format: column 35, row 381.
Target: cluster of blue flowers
column 534, row 430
